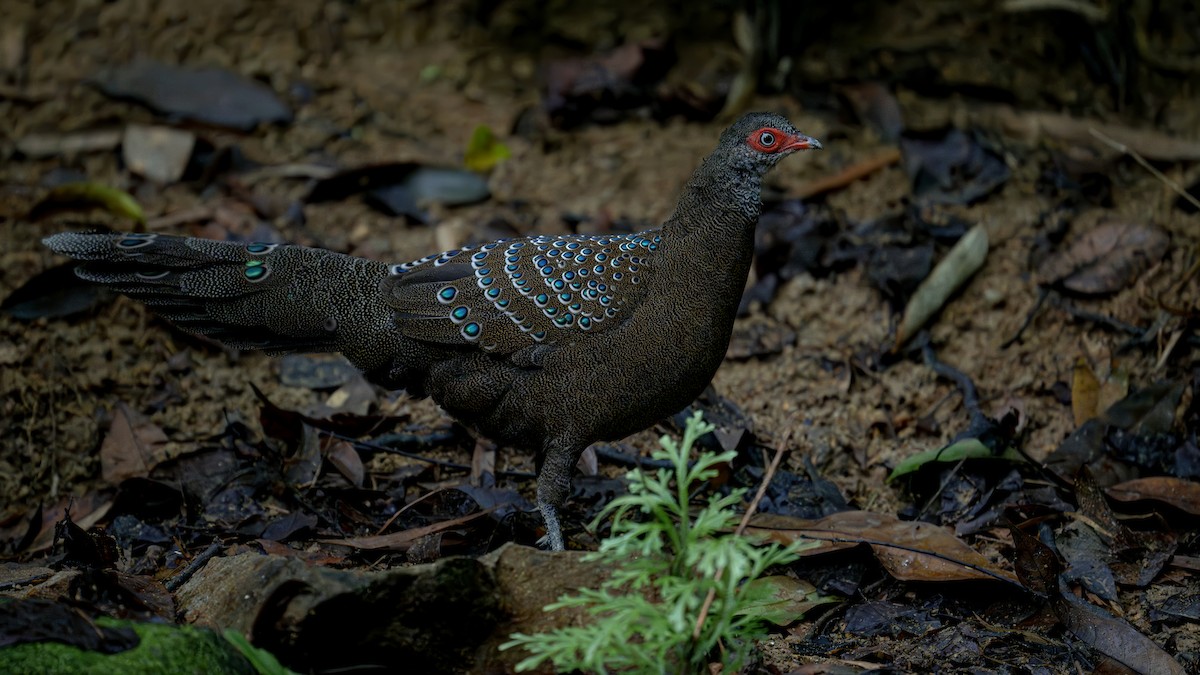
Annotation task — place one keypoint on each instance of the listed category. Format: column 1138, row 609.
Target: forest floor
column 376, row 83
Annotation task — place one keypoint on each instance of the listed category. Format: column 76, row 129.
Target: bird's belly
column 604, row 388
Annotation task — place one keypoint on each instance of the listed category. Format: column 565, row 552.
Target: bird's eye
column 767, row 139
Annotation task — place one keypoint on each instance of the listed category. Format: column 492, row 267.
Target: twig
column 194, row 566
column 961, row 380
column 175, row 219
column 766, row 481
column 420, row 458
column 406, row 507
column 980, row 422
column 849, row 174
column 1100, row 319
column 1086, row 10
column 616, row 457
column 1126, row 150
column 741, row 528
column 28, row 581
column 1043, row 293
column 434, row 438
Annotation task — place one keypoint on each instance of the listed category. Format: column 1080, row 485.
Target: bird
column 548, row 342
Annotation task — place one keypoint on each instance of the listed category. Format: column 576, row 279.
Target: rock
column 445, row 617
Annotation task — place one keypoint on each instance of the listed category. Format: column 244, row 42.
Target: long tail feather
column 277, row 298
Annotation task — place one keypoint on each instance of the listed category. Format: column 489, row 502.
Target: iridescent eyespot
column 256, row 270
column 136, row 240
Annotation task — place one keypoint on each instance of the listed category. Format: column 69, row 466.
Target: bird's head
column 730, row 179
column 757, row 141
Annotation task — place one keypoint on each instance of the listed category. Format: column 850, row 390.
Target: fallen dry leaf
column 908, row 550
column 1182, row 494
column 86, row 511
column 210, row 95
column 959, row 265
column 401, row 541
column 345, row 459
column 1105, row 259
column 1114, row 637
column 132, row 447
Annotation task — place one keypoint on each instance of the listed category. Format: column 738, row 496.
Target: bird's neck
column 718, row 210
column 708, row 244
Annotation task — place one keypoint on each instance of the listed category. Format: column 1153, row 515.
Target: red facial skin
column 770, row 139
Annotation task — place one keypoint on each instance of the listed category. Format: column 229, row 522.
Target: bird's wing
column 511, row 294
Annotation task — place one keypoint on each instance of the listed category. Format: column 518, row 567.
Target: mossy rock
column 162, row 649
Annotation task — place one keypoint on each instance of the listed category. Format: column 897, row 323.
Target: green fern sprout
column 666, row 561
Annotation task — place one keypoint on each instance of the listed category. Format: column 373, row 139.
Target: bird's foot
column 553, row 539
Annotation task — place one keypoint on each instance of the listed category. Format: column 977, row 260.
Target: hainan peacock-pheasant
column 547, row 342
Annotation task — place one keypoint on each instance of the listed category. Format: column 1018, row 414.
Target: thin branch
column 1085, row 9
column 174, row 583
column 961, row 380
column 780, row 450
column 1126, row 150
column 850, row 174
column 367, row 445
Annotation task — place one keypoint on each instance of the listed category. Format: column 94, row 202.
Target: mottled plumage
column 548, row 342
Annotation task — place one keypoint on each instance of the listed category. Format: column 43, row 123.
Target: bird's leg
column 553, row 487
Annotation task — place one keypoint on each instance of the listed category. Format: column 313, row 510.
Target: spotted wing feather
column 513, row 294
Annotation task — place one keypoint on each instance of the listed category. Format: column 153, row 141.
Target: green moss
column 163, row 649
